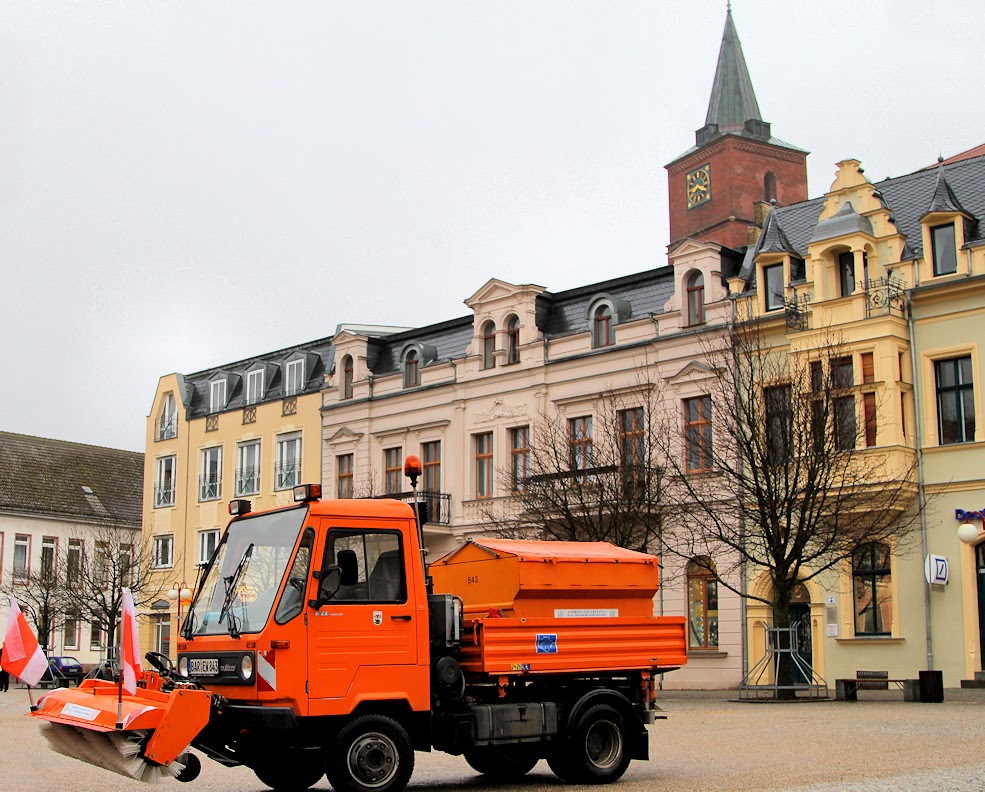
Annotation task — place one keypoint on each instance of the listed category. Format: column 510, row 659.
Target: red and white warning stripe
column 267, row 671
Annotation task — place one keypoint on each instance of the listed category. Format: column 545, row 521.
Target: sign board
column 937, row 570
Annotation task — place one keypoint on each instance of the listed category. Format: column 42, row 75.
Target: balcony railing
column 209, row 488
column 885, row 297
column 247, row 481
column 167, row 427
column 289, row 406
column 435, row 506
column 288, row 474
column 211, row 423
column 163, row 495
column 250, row 414
column 795, row 312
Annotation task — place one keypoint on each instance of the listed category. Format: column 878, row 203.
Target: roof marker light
column 307, row 492
column 237, row 508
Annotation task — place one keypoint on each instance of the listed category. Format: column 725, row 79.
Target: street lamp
column 968, row 532
column 182, row 594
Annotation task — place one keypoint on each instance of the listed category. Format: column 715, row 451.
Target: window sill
column 163, row 566
column 873, row 640
column 694, row 654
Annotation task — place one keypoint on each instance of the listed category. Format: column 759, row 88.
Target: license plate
column 204, row 666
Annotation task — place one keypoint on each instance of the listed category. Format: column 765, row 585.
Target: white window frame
column 22, row 541
column 167, row 427
column 76, row 547
column 49, row 546
column 95, row 631
column 71, row 619
column 207, row 543
column 164, row 493
column 242, row 454
column 254, row 386
column 162, row 633
column 287, row 466
column 294, row 377
column 217, row 395
column 162, row 543
column 209, row 490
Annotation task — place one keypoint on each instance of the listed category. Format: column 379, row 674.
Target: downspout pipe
column 921, row 487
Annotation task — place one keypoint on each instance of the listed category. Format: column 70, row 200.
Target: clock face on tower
column 698, row 186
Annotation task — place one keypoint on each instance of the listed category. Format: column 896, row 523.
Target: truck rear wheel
column 596, row 750
column 502, row 762
column 372, row 754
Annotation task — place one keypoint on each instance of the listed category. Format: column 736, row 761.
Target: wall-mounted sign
column 937, row 570
column 962, row 514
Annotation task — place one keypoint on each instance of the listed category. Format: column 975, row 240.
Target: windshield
column 239, row 587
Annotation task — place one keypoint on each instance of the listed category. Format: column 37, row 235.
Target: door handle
column 402, row 617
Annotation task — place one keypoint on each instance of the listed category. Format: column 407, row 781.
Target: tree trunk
column 781, row 619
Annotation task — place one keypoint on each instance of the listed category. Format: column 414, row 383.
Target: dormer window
column 347, row 377
column 944, row 250
column 254, row 386
column 513, row 340
column 412, row 375
column 602, row 334
column 773, row 281
column 168, row 424
column 488, row 345
column 294, row 373
column 217, row 395
column 695, row 299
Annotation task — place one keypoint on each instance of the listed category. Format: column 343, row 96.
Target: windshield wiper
column 232, row 586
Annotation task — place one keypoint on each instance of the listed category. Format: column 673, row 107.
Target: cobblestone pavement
column 707, row 743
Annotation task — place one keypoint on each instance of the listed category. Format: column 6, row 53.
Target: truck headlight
column 246, row 666
column 183, row 666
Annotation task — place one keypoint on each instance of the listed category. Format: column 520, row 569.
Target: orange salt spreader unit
column 538, row 607
column 319, row 643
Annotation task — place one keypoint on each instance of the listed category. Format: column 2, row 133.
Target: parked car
column 63, row 671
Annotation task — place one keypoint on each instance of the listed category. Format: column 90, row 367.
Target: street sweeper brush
column 144, row 736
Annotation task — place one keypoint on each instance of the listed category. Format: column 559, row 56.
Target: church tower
column 735, row 164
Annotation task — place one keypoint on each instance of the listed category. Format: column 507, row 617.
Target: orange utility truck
column 324, row 647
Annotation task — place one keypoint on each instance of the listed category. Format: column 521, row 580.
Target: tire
column 295, row 771
column 596, row 751
column 373, row 753
column 502, row 763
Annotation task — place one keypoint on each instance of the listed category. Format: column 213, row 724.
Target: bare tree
column 591, row 477
column 43, row 597
column 119, row 558
column 774, row 467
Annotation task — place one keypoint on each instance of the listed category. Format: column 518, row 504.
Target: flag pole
column 30, row 697
column 119, row 703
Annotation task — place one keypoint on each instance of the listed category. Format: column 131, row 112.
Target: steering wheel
column 161, row 663
column 297, row 583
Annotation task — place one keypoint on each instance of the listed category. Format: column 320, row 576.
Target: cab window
column 292, row 598
column 371, row 563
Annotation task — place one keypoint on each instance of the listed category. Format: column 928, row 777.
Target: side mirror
column 330, row 581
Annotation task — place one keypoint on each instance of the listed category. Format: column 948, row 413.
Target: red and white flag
column 22, row 655
column 130, row 669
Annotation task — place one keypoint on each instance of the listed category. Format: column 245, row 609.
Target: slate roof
column 46, row 477
column 197, row 384
column 960, row 185
column 733, row 100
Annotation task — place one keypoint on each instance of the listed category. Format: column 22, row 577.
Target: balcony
column 288, row 474
column 247, row 481
column 209, row 488
column 435, row 506
column 167, row 427
column 885, row 297
column 163, row 495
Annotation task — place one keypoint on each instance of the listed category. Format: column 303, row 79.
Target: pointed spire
column 733, row 100
column 944, row 199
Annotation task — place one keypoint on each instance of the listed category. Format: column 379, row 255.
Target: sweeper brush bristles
column 119, row 752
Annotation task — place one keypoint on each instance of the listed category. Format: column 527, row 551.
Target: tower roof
column 733, row 100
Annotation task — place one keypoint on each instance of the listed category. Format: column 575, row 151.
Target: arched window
column 695, row 299
column 602, row 334
column 347, row 377
column 412, row 375
column 488, row 345
column 513, row 340
column 769, row 187
column 702, row 603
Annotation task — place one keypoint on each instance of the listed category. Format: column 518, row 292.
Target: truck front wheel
column 373, row 753
column 501, row 762
column 596, row 750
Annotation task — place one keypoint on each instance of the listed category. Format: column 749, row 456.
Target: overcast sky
column 184, row 184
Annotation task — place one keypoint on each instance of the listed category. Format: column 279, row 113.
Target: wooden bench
column 847, row 689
